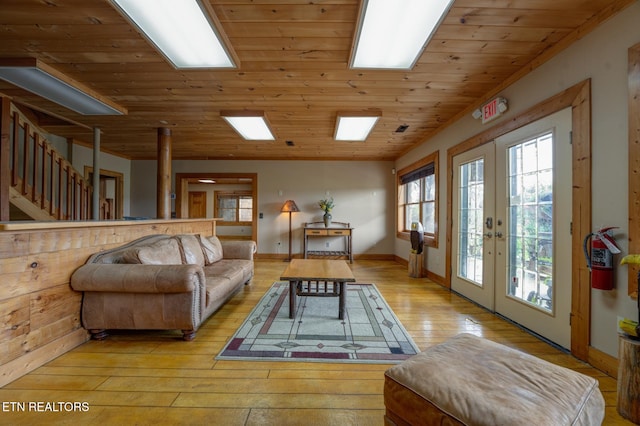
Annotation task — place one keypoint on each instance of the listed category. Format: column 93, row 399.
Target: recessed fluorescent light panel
column 354, row 128
column 183, row 30
column 251, row 125
column 41, row 79
column 393, row 34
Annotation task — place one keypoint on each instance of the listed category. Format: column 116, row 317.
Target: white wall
column 83, row 156
column 143, row 188
column 602, row 57
column 363, row 194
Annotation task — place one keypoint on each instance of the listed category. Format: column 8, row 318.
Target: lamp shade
column 290, row 206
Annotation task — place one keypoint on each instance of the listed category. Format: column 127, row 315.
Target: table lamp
column 289, row 207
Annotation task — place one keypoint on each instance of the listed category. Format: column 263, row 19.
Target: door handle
column 488, row 235
column 489, row 222
column 498, row 234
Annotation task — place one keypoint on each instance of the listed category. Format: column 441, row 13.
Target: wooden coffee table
column 318, row 278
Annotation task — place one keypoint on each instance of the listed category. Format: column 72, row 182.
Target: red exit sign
column 493, row 109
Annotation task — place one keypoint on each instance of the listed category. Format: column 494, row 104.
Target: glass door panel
column 473, row 207
column 530, row 205
column 534, row 276
column 470, row 214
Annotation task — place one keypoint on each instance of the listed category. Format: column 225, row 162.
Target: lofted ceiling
column 293, row 65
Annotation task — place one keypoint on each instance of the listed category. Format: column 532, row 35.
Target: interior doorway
column 111, row 192
column 239, row 187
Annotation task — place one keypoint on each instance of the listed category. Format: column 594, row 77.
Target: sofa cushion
column 218, row 288
column 191, row 249
column 162, row 252
column 211, row 248
column 234, row 270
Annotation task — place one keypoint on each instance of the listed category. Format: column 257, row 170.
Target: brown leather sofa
column 161, row 282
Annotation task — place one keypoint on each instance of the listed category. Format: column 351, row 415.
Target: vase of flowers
column 326, row 205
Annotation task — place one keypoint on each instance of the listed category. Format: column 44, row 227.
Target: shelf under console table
column 337, row 229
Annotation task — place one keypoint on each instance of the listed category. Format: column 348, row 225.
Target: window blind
column 423, row 171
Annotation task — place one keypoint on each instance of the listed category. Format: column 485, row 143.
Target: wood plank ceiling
column 293, row 65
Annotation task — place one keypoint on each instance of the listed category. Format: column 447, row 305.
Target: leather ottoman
column 469, row 380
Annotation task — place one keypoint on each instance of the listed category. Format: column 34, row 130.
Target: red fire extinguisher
column 600, row 262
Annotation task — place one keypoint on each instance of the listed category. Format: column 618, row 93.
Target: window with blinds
column 418, row 198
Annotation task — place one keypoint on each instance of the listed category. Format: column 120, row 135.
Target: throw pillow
column 212, row 249
column 162, row 252
column 193, row 253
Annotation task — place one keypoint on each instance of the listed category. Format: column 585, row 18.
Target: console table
column 337, row 229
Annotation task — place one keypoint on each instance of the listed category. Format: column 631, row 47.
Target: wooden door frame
column 119, row 177
column 182, row 189
column 577, row 97
column 634, row 165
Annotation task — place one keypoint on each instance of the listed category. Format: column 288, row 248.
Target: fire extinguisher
column 600, row 262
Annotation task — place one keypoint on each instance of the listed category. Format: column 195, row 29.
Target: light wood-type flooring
column 154, row 378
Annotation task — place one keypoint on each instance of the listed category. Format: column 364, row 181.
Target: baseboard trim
column 401, row 260
column 270, row 256
column 438, row 279
column 603, row 362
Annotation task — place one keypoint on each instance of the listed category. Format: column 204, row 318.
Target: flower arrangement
column 326, row 205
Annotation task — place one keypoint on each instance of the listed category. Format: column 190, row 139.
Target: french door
column 512, row 226
column 473, row 251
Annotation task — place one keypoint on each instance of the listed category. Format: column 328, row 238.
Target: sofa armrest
column 138, row 278
column 238, row 249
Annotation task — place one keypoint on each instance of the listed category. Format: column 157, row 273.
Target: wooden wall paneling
column 54, row 302
column 12, row 244
column 634, row 166
column 15, row 319
column 39, row 312
column 36, row 357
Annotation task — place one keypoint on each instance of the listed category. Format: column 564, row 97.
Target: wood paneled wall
column 39, row 312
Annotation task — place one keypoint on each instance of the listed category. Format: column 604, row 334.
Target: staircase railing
column 45, row 177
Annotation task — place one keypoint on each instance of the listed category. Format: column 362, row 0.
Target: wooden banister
column 46, row 178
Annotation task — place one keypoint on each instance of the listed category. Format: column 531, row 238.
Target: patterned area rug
column 370, row 332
